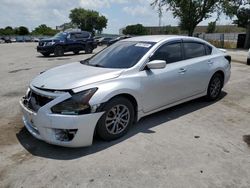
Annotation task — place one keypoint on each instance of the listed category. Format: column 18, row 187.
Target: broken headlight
column 76, row 105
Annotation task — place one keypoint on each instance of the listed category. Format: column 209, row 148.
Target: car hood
column 73, row 75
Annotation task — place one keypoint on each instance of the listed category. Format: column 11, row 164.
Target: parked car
column 20, row 39
column 35, row 39
column 1, row 41
column 248, row 57
column 117, row 39
column 27, row 39
column 115, row 88
column 6, row 39
column 13, row 39
column 67, row 42
column 104, row 41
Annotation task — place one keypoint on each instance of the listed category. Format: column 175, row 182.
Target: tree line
column 87, row 20
column 192, row 12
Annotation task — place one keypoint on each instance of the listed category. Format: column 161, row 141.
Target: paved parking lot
column 196, row 144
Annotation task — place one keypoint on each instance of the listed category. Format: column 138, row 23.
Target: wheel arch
column 131, row 98
column 221, row 73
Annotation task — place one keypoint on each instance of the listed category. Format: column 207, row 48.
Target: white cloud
column 94, row 3
column 102, row 3
column 137, row 10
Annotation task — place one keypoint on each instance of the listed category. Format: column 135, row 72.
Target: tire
column 58, row 51
column 88, row 49
column 46, row 54
column 248, row 61
column 76, row 52
column 214, row 87
column 113, row 125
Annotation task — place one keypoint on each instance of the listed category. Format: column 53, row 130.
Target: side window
column 82, row 35
column 193, row 49
column 72, row 36
column 168, row 52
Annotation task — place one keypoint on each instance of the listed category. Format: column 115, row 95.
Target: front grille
column 35, row 101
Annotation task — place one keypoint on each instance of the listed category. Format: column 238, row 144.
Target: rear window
column 193, row 50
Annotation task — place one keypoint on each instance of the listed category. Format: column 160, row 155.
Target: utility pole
column 160, row 5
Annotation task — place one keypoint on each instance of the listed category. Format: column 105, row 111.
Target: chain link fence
column 221, row 40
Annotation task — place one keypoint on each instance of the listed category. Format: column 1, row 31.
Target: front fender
column 110, row 89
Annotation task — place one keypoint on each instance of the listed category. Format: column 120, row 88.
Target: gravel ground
column 196, row 144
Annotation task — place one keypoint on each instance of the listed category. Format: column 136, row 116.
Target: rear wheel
column 214, row 87
column 59, row 51
column 46, row 54
column 118, row 117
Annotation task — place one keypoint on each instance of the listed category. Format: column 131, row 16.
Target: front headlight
column 50, row 43
column 76, row 105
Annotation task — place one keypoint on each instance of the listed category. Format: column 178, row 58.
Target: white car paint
column 153, row 90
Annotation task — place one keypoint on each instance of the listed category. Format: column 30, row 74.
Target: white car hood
column 73, row 75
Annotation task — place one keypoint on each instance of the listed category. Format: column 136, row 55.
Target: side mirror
column 156, row 64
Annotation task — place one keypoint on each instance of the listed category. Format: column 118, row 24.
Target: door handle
column 182, row 70
column 210, row 62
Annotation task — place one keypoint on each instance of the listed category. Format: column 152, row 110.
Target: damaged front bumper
column 57, row 129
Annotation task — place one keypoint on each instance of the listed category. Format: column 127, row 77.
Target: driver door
column 161, row 87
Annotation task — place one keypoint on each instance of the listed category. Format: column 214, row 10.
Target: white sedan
column 115, row 88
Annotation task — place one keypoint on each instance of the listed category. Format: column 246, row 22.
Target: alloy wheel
column 117, row 119
column 215, row 87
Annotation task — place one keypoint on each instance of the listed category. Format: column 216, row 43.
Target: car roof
column 158, row 38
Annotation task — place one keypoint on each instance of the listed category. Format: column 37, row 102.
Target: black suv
column 67, row 42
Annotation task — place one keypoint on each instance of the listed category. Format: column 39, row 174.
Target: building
column 155, row 30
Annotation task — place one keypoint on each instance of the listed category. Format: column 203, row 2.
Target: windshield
column 124, row 54
column 61, row 35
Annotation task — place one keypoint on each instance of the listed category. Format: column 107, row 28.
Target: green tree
column 211, row 27
column 190, row 12
column 137, row 29
column 88, row 20
column 7, row 31
column 22, row 30
column 240, row 9
column 171, row 30
column 44, row 30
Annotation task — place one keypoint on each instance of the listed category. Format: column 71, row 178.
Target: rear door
column 196, row 66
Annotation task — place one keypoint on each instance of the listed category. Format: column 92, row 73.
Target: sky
column 120, row 13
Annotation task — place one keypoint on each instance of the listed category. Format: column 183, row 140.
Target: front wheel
column 118, row 117
column 214, row 87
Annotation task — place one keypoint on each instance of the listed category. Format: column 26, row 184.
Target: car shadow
column 42, row 149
